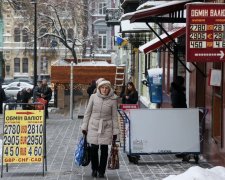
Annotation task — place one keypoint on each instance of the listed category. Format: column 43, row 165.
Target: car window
column 13, row 88
column 20, row 84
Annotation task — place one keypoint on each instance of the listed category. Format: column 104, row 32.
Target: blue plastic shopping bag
column 79, row 152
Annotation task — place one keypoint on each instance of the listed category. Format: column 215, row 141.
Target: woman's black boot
column 94, row 173
column 101, row 175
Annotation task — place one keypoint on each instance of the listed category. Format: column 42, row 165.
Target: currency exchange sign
column 205, row 37
column 23, row 138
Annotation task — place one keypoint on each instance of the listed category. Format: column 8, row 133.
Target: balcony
column 112, row 16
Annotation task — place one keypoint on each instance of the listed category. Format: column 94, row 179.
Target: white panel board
column 164, row 130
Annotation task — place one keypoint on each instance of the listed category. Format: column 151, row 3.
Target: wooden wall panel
column 82, row 74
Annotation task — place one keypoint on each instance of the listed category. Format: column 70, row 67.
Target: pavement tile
column 63, row 135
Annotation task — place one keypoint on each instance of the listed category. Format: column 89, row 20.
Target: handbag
column 79, row 152
column 113, row 161
column 82, row 152
column 87, row 153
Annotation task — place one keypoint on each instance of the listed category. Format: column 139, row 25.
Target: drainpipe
column 158, row 51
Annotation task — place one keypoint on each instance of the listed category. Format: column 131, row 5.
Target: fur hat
column 104, row 82
column 100, row 80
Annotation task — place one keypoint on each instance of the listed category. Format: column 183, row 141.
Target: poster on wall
column 215, row 77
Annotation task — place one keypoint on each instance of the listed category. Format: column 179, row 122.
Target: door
column 216, row 119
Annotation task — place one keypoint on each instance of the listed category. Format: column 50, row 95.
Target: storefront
column 169, row 49
column 166, row 48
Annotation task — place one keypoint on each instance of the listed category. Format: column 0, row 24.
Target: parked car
column 27, row 80
column 7, row 81
column 12, row 91
column 18, row 84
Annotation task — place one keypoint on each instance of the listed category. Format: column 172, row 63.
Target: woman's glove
column 114, row 137
column 84, row 132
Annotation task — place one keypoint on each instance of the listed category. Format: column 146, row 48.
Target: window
column 102, row 39
column 70, row 33
column 44, row 40
column 17, row 35
column 44, row 65
column 25, row 35
column 16, row 64
column 102, row 8
column 25, row 65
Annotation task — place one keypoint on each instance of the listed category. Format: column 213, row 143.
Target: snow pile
column 198, row 173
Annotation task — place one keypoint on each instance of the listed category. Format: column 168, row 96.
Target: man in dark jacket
column 177, row 90
column 35, row 90
column 26, row 97
column 178, row 99
column 91, row 88
column 2, row 98
column 45, row 92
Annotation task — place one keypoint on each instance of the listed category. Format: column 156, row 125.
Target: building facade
column 171, row 57
column 18, row 41
column 101, row 36
column 1, row 44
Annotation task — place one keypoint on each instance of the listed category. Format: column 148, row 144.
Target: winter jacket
column 100, row 118
column 46, row 91
column 132, row 98
column 91, row 89
column 178, row 97
column 2, row 95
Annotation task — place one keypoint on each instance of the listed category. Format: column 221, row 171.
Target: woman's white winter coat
column 100, row 118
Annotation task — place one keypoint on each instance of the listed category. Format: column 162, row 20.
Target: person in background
column 91, row 88
column 26, row 96
column 35, row 90
column 19, row 97
column 177, row 93
column 45, row 92
column 2, row 98
column 178, row 100
column 100, row 124
column 130, row 95
column 13, row 101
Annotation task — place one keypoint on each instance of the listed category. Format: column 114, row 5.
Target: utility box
column 155, row 85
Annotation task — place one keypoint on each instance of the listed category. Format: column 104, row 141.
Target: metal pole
column 71, row 91
column 35, row 43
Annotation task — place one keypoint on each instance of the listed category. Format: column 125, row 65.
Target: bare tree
column 55, row 16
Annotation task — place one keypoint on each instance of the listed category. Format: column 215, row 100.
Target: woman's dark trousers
column 95, row 165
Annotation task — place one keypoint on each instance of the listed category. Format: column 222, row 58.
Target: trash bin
column 155, row 85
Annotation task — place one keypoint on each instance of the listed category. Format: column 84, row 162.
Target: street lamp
column 35, row 41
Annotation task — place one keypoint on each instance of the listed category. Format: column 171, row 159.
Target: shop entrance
column 216, row 117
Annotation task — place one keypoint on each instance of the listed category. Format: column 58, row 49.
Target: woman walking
column 100, row 124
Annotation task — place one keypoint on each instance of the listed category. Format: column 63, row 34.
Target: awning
column 127, row 27
column 160, row 10
column 150, row 4
column 146, row 5
column 157, row 43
